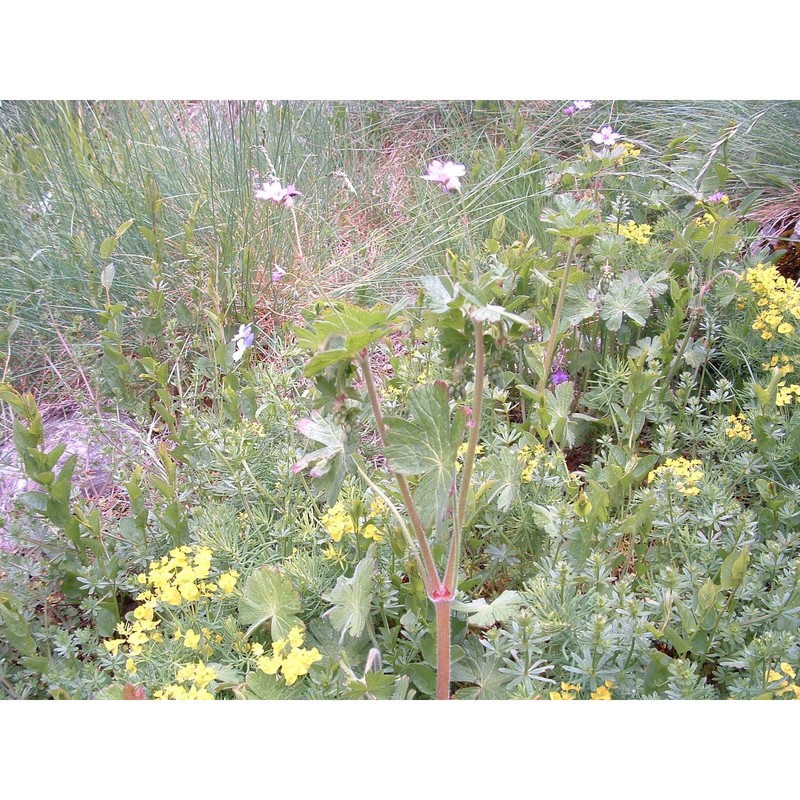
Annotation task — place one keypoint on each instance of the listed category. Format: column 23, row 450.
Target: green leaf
column 260, row 686
column 268, row 596
column 342, row 331
column 577, row 305
column 427, row 445
column 423, row 677
column 627, row 297
column 501, row 610
column 15, row 626
column 438, row 294
column 124, row 227
column 107, row 247
column 733, row 568
column 352, row 598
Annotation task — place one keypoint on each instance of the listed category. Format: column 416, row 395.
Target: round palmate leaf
column 268, row 596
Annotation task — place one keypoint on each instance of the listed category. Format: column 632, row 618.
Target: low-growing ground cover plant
column 560, row 463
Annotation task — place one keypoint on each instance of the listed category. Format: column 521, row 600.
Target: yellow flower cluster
column 779, row 300
column 737, row 427
column 628, row 150
column 568, row 691
column 462, row 451
column 531, row 459
column 685, row 472
column 636, row 233
column 198, row 675
column 183, row 576
column 785, row 686
column 289, row 657
column 787, row 394
column 171, row 580
column 704, row 221
column 338, row 521
column 784, row 363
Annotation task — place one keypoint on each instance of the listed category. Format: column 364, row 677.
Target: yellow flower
column 296, row 636
column 191, row 640
column 227, row 581
column 786, row 669
column 257, row 649
column 112, row 645
column 602, row 693
column 561, row 696
column 270, row 664
column 130, row 667
column 570, row 687
column 369, row 531
column 279, row 646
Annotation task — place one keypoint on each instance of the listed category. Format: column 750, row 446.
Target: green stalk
column 430, row 576
column 551, row 345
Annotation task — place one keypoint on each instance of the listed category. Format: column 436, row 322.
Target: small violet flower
column 277, row 273
column 605, row 136
column 447, row 173
column 569, row 110
column 718, row 197
column 275, row 192
column 559, row 377
column 242, row 341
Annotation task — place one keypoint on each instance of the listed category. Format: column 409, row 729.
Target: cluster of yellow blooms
column 787, row 394
column 778, row 300
column 181, row 577
column 568, row 691
column 629, row 150
column 704, row 221
column 784, row 685
column 531, row 459
column 737, row 427
column 289, row 657
column 685, row 472
column 784, row 363
column 338, row 521
column 198, row 675
column 636, row 233
column 462, row 451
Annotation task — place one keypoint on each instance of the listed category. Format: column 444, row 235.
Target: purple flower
column 275, row 192
column 605, row 136
column 447, row 173
column 559, row 377
column 569, row 110
column 242, row 341
column 718, row 197
column 582, row 105
column 277, row 273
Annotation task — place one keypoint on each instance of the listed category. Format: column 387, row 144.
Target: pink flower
column 447, row 173
column 275, row 192
column 605, row 136
column 569, row 110
column 304, row 424
column 277, row 273
column 582, row 105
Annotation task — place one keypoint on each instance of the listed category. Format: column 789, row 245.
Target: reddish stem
column 443, row 608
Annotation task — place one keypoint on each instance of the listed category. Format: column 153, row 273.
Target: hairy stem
column 443, row 611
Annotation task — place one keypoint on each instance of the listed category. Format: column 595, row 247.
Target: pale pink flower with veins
column 277, row 273
column 447, row 173
column 275, row 192
column 582, row 105
column 605, row 136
